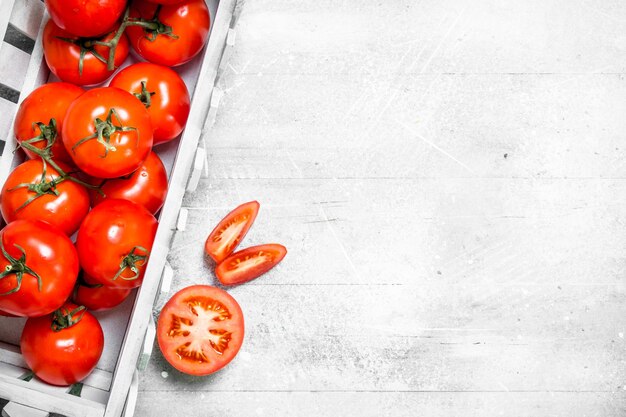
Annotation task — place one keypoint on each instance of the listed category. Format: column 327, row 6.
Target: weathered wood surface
column 449, row 178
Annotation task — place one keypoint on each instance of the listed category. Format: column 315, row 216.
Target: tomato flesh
column 200, row 330
column 249, row 263
column 230, row 231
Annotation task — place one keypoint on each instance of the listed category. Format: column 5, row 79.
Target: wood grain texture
column 449, row 180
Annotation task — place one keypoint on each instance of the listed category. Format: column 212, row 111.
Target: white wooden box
column 129, row 330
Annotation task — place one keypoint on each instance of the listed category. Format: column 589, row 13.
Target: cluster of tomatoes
column 91, row 174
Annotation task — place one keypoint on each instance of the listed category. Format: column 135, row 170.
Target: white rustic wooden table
column 449, row 177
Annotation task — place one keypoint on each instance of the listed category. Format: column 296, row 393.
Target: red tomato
column 64, row 57
column 39, row 267
column 86, row 18
column 114, row 243
column 36, row 191
column 200, row 330
column 163, row 93
column 97, row 297
column 165, row 1
column 4, row 314
column 146, row 186
column 39, row 119
column 249, row 263
column 62, row 348
column 188, row 23
column 230, row 231
column 107, row 132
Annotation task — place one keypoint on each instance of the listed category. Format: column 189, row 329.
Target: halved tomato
column 249, row 263
column 200, row 329
column 230, row 231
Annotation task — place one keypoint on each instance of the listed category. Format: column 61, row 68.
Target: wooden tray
column 129, row 330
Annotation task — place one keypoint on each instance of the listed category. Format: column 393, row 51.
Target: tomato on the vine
column 249, row 263
column 65, row 59
column 107, row 132
column 163, row 93
column 173, row 33
column 39, row 119
column 230, row 231
column 86, row 18
column 64, row 347
column 35, row 190
column 98, row 297
column 39, row 267
column 146, row 186
column 114, row 243
column 200, row 330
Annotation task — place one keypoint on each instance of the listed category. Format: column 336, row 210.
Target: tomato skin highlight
column 98, row 297
column 146, row 186
column 190, row 22
column 169, row 102
column 86, row 18
column 5, row 314
column 110, row 232
column 165, row 1
column 241, row 266
column 63, row 57
column 66, row 210
column 66, row 356
column 130, row 146
column 39, row 108
column 230, row 231
column 51, row 255
column 215, row 326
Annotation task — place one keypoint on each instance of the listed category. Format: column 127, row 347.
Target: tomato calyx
column 87, row 45
column 17, row 267
column 47, row 133
column 41, row 188
column 153, row 27
column 64, row 318
column 145, row 96
column 130, row 262
column 104, row 130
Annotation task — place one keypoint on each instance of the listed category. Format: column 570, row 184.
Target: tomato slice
column 200, row 329
column 230, row 231
column 250, row 263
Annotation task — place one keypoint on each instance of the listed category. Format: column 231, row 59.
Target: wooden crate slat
column 42, row 396
column 131, row 347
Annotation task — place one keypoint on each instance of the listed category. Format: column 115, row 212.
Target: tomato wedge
column 230, row 231
column 200, row 329
column 250, row 263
